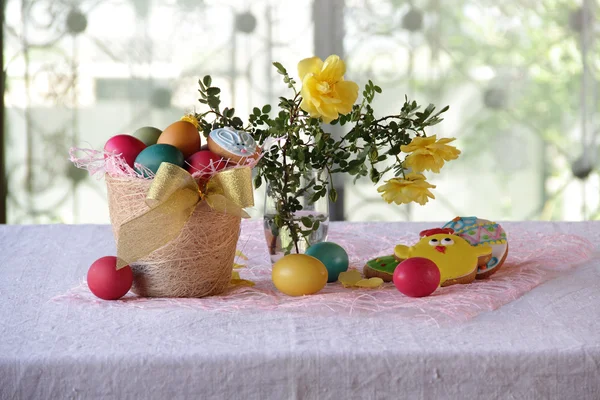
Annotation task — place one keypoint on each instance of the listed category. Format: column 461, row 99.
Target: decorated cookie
column 454, row 256
column 381, row 267
column 233, row 145
column 479, row 232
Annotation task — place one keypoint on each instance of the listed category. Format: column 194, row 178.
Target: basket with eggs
column 176, row 198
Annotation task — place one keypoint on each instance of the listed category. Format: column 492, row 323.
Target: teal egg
column 152, row 156
column 332, row 255
column 148, row 134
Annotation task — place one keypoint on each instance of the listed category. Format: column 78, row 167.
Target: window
column 520, row 76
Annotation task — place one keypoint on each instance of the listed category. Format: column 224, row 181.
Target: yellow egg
column 183, row 135
column 299, row 274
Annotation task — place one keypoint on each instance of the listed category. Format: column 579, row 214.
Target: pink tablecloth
column 60, row 342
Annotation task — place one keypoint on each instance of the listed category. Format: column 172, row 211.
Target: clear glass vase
column 279, row 240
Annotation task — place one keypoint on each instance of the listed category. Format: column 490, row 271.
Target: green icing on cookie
column 384, row 264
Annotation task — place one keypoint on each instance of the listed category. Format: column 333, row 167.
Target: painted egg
column 106, row 282
column 183, row 135
column 477, row 232
column 299, row 274
column 417, row 277
column 332, row 255
column 205, row 161
column 127, row 146
column 148, row 134
column 152, row 156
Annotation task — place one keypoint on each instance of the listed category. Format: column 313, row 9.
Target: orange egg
column 183, row 135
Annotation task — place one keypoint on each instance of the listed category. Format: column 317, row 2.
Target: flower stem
column 290, row 218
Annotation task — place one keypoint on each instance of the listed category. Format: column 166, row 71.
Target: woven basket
column 197, row 263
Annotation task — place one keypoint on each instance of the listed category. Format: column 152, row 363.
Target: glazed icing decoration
column 239, row 143
column 384, row 263
column 479, row 231
column 453, row 255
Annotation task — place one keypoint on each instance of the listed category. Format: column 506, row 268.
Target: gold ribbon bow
column 172, row 199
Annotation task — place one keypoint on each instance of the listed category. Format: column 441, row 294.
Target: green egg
column 152, row 156
column 148, row 134
column 332, row 255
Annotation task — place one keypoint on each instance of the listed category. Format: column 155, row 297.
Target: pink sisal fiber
column 101, row 162
column 526, row 267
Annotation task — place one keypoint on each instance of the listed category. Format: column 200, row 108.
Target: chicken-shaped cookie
column 454, row 256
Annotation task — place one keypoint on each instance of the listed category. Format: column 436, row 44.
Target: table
column 543, row 345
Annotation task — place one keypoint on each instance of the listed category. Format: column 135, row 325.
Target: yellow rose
column 325, row 93
column 413, row 187
column 428, row 154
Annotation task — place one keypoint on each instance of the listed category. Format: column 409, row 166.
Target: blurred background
column 521, row 78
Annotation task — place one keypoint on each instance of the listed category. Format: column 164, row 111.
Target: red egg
column 127, row 146
column 205, row 161
column 417, row 277
column 106, row 282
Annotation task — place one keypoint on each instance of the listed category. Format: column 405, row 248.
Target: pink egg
column 127, row 146
column 106, row 282
column 417, row 277
column 205, row 161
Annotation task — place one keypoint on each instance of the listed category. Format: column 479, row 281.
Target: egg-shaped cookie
column 183, row 135
column 478, row 232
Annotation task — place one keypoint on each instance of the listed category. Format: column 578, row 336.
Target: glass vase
column 280, row 240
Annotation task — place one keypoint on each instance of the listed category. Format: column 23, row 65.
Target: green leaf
column 333, row 196
column 316, row 196
column 316, row 225
column 266, row 109
column 213, row 91
column 307, row 222
column 257, row 181
column 374, row 175
column 207, row 80
column 373, row 154
column 280, row 68
column 237, row 122
column 318, row 136
column 256, row 111
column 213, row 102
column 278, row 221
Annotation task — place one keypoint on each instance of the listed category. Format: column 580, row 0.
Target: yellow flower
column 429, row 154
column 325, row 93
column 402, row 191
column 191, row 119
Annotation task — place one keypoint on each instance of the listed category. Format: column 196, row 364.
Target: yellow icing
column 402, row 251
column 458, row 260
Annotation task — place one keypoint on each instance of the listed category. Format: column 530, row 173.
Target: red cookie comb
column 435, row 231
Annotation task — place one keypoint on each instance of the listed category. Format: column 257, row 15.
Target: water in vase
column 278, row 239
